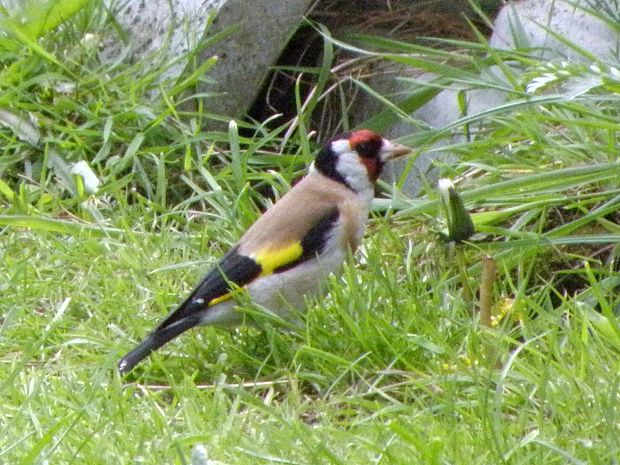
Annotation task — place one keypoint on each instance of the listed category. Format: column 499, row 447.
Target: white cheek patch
column 341, row 146
column 353, row 171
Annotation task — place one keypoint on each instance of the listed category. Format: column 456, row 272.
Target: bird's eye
column 365, row 149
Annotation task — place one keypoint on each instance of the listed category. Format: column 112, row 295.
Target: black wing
column 233, row 270
column 313, row 243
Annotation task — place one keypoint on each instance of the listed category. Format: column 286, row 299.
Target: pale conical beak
column 390, row 150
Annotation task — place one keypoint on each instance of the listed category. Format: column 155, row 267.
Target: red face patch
column 368, row 144
column 373, row 167
column 364, row 136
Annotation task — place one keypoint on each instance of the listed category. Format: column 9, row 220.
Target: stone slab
column 524, row 23
column 261, row 30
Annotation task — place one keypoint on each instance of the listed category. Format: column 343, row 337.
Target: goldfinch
column 288, row 252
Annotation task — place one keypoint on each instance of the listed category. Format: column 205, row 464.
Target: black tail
column 154, row 341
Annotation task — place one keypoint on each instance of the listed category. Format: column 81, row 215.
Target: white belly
column 286, row 291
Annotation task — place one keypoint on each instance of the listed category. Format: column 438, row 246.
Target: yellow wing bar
column 271, row 258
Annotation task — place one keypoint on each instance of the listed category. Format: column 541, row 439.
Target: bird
column 289, row 252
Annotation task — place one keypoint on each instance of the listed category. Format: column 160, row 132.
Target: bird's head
column 357, row 159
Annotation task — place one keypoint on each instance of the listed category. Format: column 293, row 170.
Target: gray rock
column 527, row 23
column 261, row 30
column 244, row 59
column 157, row 30
column 439, row 113
column 524, row 23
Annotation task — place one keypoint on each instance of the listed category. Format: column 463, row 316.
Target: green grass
column 392, row 367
